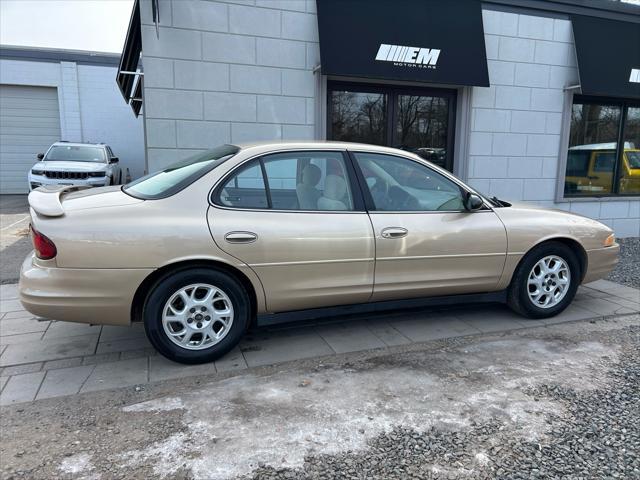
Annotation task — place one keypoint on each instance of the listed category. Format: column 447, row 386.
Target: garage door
column 29, row 124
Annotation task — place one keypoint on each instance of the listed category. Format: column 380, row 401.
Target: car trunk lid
column 56, row 201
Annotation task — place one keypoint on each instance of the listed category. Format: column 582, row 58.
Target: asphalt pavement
column 14, row 236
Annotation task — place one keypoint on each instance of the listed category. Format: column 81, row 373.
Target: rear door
column 426, row 242
column 298, row 220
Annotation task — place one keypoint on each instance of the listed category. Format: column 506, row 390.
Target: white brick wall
column 221, row 72
column 105, row 117
column 516, row 123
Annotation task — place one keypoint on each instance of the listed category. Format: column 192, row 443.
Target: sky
column 93, row 25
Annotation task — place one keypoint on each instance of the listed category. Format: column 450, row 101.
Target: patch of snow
column 158, row 405
column 482, row 459
column 79, row 466
column 235, row 424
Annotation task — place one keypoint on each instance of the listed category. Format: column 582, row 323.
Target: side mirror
column 40, row 156
column 472, row 202
column 114, row 160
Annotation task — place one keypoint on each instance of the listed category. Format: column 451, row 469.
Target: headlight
column 37, row 172
column 610, row 240
column 97, row 174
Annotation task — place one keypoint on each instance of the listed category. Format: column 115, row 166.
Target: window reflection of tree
column 421, row 125
column 592, row 124
column 358, row 117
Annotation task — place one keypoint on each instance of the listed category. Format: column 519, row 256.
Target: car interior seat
column 306, row 190
column 335, row 188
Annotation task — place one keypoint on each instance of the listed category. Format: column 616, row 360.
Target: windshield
column 76, row 153
column 175, row 177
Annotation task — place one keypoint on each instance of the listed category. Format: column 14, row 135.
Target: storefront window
column 421, row 126
column 417, row 120
column 630, row 175
column 359, row 115
column 599, row 161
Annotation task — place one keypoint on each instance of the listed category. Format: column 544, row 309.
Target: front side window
column 313, row 181
column 604, row 141
column 75, row 153
column 179, row 175
column 399, row 184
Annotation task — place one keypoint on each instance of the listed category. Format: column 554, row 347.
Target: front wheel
column 545, row 282
column 197, row 315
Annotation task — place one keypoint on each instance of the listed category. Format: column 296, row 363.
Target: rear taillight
column 44, row 247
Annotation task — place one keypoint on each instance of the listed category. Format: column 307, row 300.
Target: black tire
column 120, row 178
column 167, row 286
column 518, row 294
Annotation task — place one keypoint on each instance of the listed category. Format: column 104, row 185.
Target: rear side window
column 178, row 176
column 246, row 188
column 305, row 180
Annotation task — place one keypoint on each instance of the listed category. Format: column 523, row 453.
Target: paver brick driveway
column 43, row 359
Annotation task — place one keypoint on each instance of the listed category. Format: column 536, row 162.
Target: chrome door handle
column 394, row 232
column 241, row 237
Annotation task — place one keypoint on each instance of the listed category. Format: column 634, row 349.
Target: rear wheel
column 545, row 282
column 196, row 315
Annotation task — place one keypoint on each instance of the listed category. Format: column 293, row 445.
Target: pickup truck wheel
column 196, row 315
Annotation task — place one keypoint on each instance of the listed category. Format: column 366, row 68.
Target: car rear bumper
column 101, row 296
column 600, row 262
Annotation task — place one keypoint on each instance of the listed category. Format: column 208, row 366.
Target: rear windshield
column 76, row 153
column 176, row 177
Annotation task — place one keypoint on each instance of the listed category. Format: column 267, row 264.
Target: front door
column 426, row 242
column 296, row 219
column 418, row 120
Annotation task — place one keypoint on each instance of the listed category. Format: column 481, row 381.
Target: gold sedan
column 281, row 231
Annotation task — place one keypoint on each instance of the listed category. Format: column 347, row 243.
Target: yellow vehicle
column 590, row 169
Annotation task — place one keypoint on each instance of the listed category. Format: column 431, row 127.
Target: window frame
column 624, row 104
column 370, row 204
column 356, row 191
column 392, row 92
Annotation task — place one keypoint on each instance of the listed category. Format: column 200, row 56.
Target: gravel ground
column 628, row 270
column 598, row 436
column 554, row 402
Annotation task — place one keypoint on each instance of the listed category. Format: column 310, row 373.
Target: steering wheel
column 399, row 199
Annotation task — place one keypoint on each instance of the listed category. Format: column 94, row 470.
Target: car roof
column 80, row 144
column 316, row 144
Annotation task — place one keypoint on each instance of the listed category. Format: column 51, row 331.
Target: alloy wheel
column 549, row 281
column 197, row 316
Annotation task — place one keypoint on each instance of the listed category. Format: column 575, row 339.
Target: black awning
column 608, row 56
column 434, row 41
column 130, row 55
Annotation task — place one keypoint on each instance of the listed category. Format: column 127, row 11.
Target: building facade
column 52, row 95
column 536, row 101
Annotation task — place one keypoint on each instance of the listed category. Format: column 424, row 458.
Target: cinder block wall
column 221, row 72
column 516, row 126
